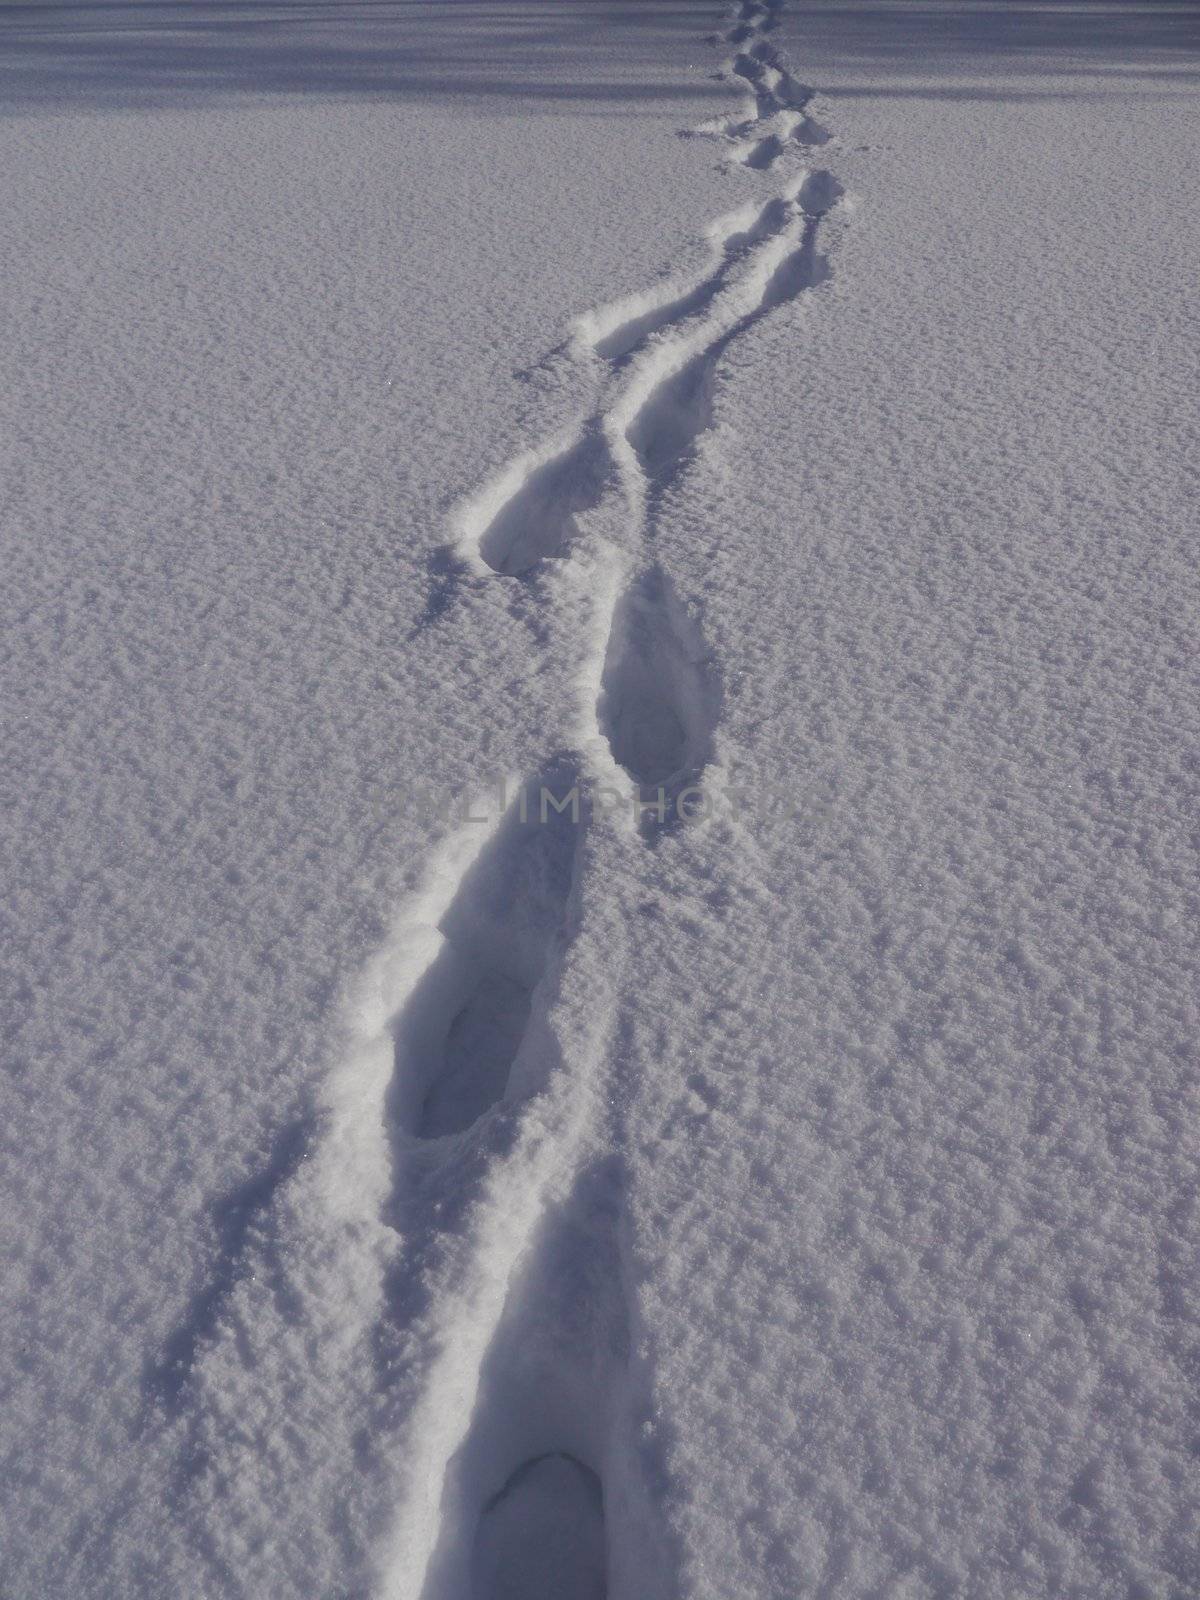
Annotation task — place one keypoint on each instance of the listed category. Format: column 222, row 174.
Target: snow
column 438, row 1164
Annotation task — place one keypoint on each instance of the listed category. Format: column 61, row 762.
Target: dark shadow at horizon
column 536, row 57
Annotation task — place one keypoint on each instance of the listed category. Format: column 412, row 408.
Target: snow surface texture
column 789, row 1195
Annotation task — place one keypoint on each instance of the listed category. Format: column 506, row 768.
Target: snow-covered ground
column 417, row 418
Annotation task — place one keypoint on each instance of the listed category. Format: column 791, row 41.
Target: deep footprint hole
column 541, row 1537
column 537, row 521
column 659, row 699
column 458, row 1035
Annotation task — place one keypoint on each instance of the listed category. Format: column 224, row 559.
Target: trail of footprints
column 523, row 1507
column 658, row 694
column 776, row 112
column 537, row 1498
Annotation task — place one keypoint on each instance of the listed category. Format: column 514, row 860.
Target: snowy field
column 426, row 430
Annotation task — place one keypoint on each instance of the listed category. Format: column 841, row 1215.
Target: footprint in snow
column 542, row 1536
column 659, row 697
column 462, row 1028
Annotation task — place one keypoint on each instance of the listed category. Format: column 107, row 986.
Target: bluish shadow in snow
column 1025, row 35
column 472, row 1012
column 236, row 1219
column 538, row 519
column 445, row 573
column 537, row 56
column 660, row 699
column 534, row 54
column 541, row 1536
